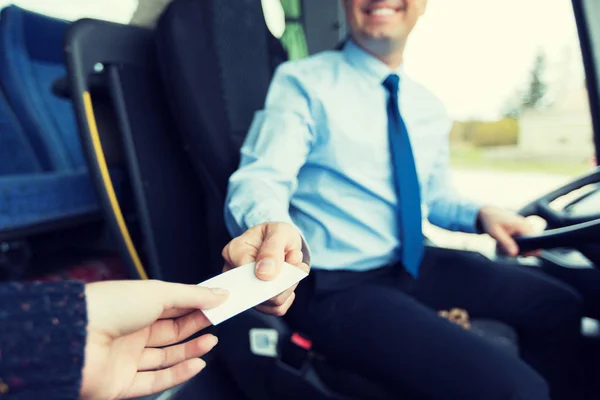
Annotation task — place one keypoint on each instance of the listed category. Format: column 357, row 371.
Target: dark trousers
column 383, row 324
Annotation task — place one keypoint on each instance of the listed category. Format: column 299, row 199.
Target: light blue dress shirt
column 317, row 156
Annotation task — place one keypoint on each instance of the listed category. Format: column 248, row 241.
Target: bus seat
column 30, row 61
column 31, row 199
column 44, row 183
column 27, row 200
column 16, row 153
column 216, row 72
column 125, row 125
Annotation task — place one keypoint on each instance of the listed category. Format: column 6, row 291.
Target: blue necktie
column 406, row 182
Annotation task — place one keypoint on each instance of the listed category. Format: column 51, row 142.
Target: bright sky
column 474, row 54
column 112, row 10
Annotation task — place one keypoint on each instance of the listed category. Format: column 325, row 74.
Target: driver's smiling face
column 385, row 20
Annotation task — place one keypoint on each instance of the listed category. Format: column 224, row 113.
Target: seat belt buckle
column 296, row 352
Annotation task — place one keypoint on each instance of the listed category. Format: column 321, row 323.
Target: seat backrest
column 216, row 62
column 126, row 127
column 31, row 60
column 16, row 152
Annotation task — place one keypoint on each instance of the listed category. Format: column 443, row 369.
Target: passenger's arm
column 42, row 338
column 105, row 340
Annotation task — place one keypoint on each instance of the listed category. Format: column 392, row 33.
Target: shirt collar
column 368, row 64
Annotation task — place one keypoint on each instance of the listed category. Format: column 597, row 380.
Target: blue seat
column 16, row 152
column 28, row 201
column 43, row 174
column 31, row 60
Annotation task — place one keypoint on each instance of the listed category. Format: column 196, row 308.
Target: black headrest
column 217, row 59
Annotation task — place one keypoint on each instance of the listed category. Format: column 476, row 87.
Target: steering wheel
column 565, row 229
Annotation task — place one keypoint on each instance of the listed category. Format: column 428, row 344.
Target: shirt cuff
column 258, row 217
column 469, row 213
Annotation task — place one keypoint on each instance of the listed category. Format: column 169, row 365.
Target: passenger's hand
column 502, row 225
column 269, row 245
column 131, row 332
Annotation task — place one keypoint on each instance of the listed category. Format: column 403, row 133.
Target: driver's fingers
column 168, row 331
column 242, row 250
column 534, row 253
column 227, row 267
column 270, row 257
column 524, row 227
column 146, row 383
column 294, row 257
column 155, row 359
column 507, row 243
column 281, row 298
column 278, row 310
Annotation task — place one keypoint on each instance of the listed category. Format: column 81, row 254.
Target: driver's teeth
column 383, row 11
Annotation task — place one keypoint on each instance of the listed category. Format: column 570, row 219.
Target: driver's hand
column 268, row 244
column 503, row 225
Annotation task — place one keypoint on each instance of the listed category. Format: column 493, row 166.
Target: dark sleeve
column 42, row 339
